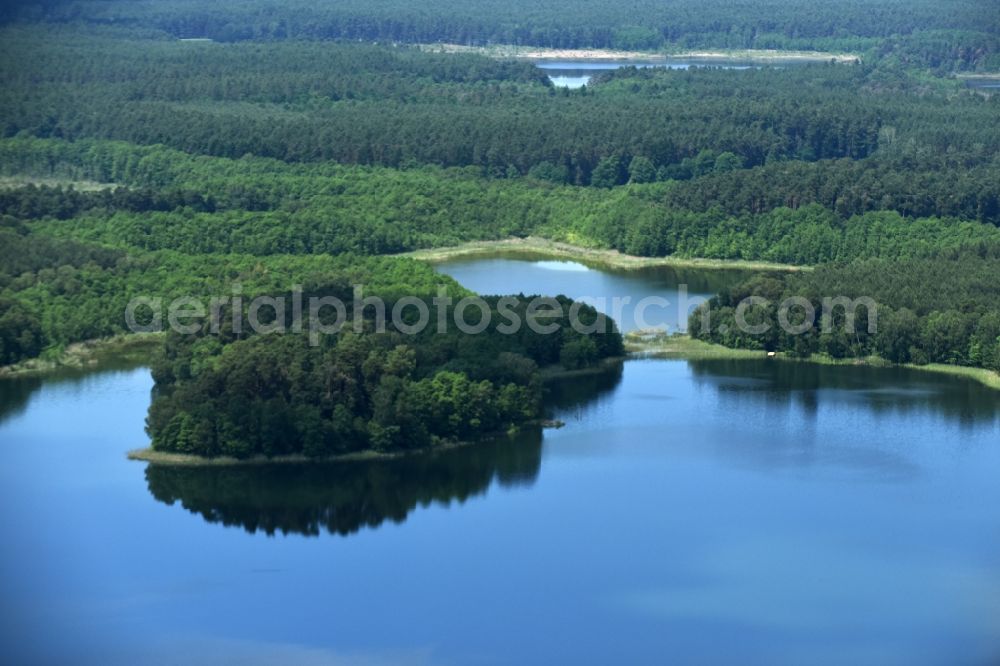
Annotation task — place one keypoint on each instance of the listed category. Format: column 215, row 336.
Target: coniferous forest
column 173, row 147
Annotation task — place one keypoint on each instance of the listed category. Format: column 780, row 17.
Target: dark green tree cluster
column 928, row 311
column 240, row 394
column 47, row 201
column 21, row 251
column 920, row 185
column 21, row 333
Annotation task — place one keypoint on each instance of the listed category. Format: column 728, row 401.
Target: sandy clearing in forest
column 539, row 53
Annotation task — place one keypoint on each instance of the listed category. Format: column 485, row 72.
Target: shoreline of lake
column 87, row 355
column 152, row 456
column 169, row 458
column 757, row 445
column 594, row 258
column 549, row 373
column 684, row 347
column 674, row 347
column 639, row 345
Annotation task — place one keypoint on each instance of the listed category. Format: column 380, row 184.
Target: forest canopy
column 176, row 148
column 958, row 31
column 243, row 395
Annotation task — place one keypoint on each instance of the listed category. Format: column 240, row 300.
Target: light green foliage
column 641, row 170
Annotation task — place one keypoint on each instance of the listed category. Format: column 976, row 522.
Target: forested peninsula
column 170, row 149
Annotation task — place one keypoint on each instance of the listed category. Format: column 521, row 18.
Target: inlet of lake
column 578, row 73
column 751, row 512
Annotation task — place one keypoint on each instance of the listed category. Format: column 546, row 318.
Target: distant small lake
column 578, row 73
column 992, row 84
column 669, row 293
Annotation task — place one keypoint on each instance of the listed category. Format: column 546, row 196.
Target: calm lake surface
column 577, row 73
column 695, row 512
column 977, row 83
column 647, row 298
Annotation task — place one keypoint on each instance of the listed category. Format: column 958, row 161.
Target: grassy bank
column 153, row 456
column 534, row 247
column 683, row 347
column 765, row 56
column 137, row 347
column 644, row 343
column 982, row 375
column 14, row 182
column 553, row 372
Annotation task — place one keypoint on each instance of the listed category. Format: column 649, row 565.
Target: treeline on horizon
column 961, row 34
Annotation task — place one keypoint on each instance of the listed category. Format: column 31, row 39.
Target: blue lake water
column 745, row 512
column 654, row 297
column 987, row 82
column 578, row 73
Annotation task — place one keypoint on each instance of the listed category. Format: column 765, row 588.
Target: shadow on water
column 880, row 390
column 574, row 393
column 343, row 498
column 16, row 392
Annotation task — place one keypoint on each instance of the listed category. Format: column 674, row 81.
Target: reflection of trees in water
column 16, row 392
column 698, row 281
column 572, row 393
column 882, row 390
column 342, row 498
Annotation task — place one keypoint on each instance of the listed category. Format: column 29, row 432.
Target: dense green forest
column 793, row 213
column 241, row 394
column 929, row 311
column 310, row 139
column 953, row 33
column 59, row 292
column 395, row 106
